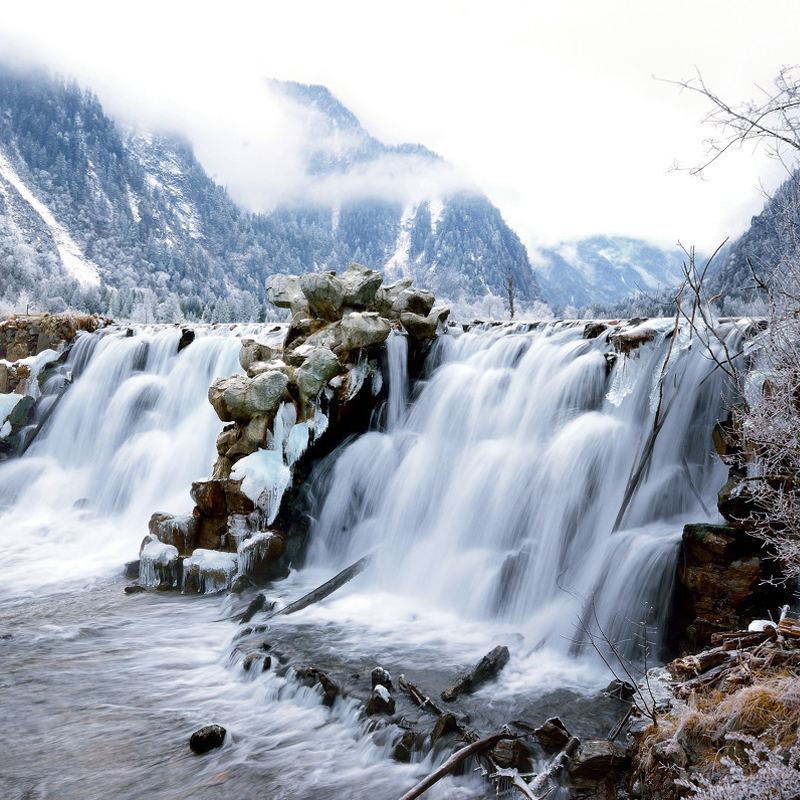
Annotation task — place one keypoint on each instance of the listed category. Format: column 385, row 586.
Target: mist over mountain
column 604, row 269
column 127, row 222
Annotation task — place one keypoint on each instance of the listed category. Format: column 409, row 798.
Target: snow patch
column 436, row 208
column 266, row 478
column 76, row 264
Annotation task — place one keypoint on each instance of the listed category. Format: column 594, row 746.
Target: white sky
column 550, row 107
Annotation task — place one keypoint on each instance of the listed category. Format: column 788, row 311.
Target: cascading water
column 497, row 494
column 489, row 499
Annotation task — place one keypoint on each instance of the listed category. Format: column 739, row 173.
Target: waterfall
column 495, row 495
column 490, row 493
column 127, row 439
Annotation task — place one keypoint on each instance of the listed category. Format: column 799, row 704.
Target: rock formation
column 289, row 395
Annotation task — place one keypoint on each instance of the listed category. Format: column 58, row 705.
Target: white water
column 496, row 495
column 512, row 453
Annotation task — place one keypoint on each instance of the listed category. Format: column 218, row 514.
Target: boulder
column 158, row 563
column 225, row 390
column 380, row 677
column 552, row 735
column 626, row 341
column 208, row 738
column 594, row 329
column 387, row 296
column 208, row 571
column 421, row 327
column 512, row 754
column 227, row 439
column 284, row 291
column 187, row 337
column 209, row 496
column 723, row 581
column 595, row 760
column 359, row 286
column 259, row 556
column 252, row 352
column 380, row 701
column 319, row 366
column 735, row 500
column 240, row 397
column 362, row 329
column 253, row 435
column 330, row 337
column 324, row 293
column 179, row 531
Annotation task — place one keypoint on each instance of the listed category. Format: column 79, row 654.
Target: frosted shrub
column 765, row 776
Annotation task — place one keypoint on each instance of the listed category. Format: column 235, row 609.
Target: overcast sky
column 551, row 107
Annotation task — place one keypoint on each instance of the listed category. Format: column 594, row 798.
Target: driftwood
column 327, row 588
column 478, row 746
column 497, row 773
column 558, row 763
column 485, row 670
column 419, row 697
column 320, row 593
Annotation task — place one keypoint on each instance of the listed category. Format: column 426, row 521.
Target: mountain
column 127, row 222
column 604, row 269
column 771, row 238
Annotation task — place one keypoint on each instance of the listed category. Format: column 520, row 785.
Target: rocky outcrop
column 291, row 393
column 30, row 345
column 26, row 335
column 722, row 582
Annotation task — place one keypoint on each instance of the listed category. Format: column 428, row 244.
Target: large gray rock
column 359, row 286
column 266, row 391
column 324, row 293
column 284, row 291
column 240, row 397
column 424, row 328
column 253, row 352
column 416, row 301
column 362, row 329
column 387, row 296
column 317, row 369
column 330, row 337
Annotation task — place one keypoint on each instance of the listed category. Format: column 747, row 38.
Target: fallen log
column 485, row 670
column 321, row 592
column 558, row 763
column 479, row 746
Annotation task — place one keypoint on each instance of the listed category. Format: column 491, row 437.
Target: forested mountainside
column 128, row 222
column 604, row 269
column 771, row 237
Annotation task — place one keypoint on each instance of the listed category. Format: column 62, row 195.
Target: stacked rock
column 280, row 406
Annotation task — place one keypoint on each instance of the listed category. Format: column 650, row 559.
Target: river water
column 489, row 497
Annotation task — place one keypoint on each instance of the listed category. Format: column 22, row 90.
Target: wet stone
column 207, row 738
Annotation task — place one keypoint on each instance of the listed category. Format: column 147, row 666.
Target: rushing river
column 490, row 498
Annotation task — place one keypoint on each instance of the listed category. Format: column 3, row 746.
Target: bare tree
column 766, row 425
column 773, row 119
